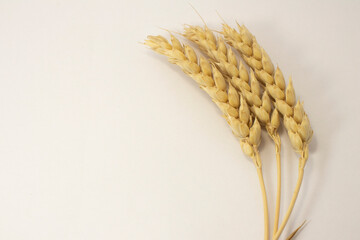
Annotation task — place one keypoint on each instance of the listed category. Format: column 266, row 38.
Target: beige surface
column 101, row 138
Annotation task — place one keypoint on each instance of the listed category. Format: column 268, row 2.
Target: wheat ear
column 216, row 49
column 234, row 107
column 296, row 122
column 274, row 82
column 226, row 60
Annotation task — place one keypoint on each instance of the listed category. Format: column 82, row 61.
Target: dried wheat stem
column 258, row 165
column 302, row 163
column 278, row 183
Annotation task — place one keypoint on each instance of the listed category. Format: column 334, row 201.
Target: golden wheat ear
column 211, row 80
column 297, row 124
column 236, row 74
column 260, row 103
column 232, row 104
column 296, row 121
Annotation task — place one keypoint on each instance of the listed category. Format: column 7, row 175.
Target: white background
column 100, row 138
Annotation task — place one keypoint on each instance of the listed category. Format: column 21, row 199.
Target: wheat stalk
column 295, row 120
column 234, row 107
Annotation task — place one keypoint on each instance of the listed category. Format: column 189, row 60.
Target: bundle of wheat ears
column 249, row 100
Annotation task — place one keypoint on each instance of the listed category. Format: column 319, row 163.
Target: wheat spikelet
column 217, row 50
column 210, row 79
column 274, row 82
column 223, row 56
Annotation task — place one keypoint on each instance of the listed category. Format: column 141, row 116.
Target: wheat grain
column 218, row 52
